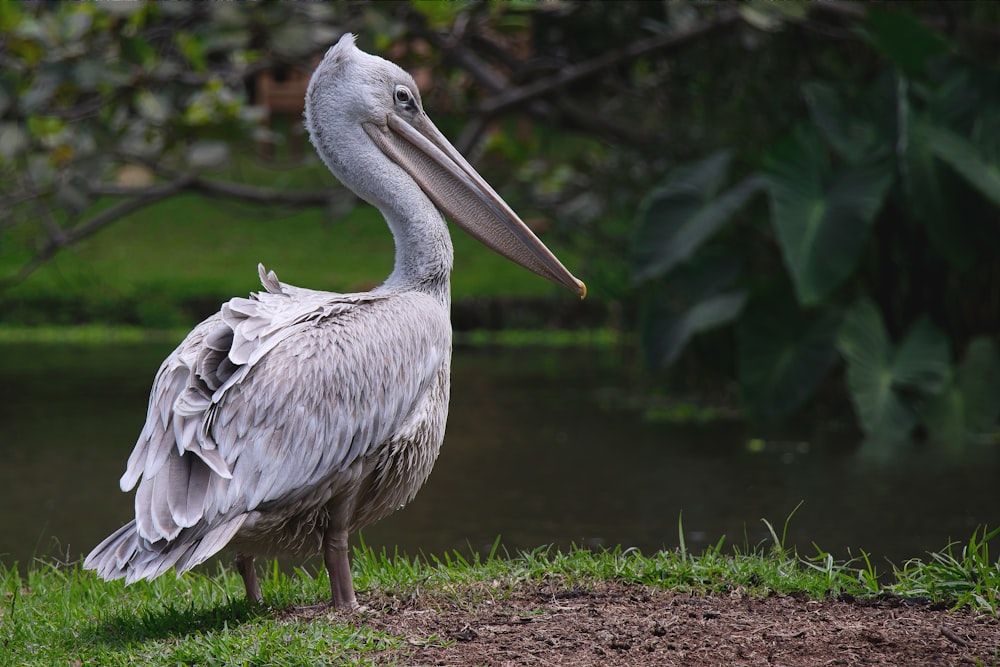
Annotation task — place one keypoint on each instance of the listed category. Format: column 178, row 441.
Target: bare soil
column 616, row 624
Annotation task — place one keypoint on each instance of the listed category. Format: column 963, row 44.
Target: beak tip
column 581, row 289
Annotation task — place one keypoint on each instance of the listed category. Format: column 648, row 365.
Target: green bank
column 57, row 614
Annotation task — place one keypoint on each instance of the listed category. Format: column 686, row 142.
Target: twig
column 951, row 636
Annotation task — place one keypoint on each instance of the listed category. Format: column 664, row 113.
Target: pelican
column 294, row 417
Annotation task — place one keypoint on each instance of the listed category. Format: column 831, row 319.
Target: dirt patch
column 616, row 624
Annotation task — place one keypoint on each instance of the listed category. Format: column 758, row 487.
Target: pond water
column 535, row 453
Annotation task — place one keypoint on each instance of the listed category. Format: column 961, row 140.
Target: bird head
column 365, row 117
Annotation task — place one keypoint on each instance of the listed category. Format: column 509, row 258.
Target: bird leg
column 244, row 564
column 338, row 565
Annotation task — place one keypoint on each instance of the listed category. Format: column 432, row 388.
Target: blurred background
column 787, row 216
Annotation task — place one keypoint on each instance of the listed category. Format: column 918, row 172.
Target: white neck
column 424, row 253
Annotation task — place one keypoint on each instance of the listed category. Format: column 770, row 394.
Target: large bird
column 292, row 418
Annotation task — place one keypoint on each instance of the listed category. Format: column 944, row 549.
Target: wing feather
column 272, row 397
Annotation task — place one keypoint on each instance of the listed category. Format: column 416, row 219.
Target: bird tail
column 127, row 555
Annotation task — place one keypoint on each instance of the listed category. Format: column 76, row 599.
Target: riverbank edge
column 106, row 334
column 56, row 613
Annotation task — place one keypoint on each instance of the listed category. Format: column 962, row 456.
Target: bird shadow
column 170, row 620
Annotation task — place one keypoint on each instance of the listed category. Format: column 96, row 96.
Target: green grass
column 160, row 265
column 60, row 615
column 105, row 334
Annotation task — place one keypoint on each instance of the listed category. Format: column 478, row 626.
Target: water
column 535, row 453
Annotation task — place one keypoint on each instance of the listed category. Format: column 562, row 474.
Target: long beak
column 457, row 189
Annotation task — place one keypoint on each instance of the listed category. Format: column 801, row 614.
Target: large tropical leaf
column 821, row 218
column 677, row 218
column 922, row 362
column 784, row 353
column 851, row 135
column 968, row 409
column 904, row 39
column 669, row 334
column 930, row 196
column 699, row 297
column 886, row 383
column 960, row 154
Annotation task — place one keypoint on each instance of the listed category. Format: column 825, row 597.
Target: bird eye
column 405, row 98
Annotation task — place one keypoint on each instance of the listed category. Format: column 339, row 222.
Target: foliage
column 106, row 108
column 884, row 210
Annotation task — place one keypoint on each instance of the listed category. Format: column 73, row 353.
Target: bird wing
column 274, row 395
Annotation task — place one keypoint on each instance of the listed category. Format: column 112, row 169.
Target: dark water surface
column 535, row 453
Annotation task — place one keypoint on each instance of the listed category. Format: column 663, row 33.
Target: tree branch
column 574, row 73
column 141, row 198
column 249, row 193
column 72, row 235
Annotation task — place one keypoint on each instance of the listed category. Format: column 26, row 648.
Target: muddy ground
column 615, row 624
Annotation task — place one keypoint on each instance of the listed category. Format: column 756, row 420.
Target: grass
column 164, row 264
column 104, row 334
column 60, row 615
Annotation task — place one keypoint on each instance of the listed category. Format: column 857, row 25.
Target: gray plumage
column 293, row 417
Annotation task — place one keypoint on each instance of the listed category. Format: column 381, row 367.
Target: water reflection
column 532, row 454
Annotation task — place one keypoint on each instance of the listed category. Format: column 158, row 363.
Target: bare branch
column 140, row 198
column 573, row 73
column 506, row 97
column 249, row 193
column 261, row 195
column 102, row 219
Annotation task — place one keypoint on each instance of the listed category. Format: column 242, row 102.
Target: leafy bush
column 884, row 208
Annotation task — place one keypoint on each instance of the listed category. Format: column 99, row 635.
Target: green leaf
column 784, row 353
column 700, row 295
column 962, row 156
column 677, row 218
column 821, row 219
column 968, row 409
column 851, row 135
column 886, row 384
column 930, row 197
column 864, row 344
column 439, row 14
column 922, row 361
column 903, row 39
column 192, row 49
column 668, row 336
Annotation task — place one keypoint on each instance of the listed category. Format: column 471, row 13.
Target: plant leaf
column 922, row 360
column 669, row 333
column 968, row 409
column 677, row 218
column 886, row 384
column 930, row 197
column 864, row 343
column 904, row 39
column 849, row 134
column 962, row 156
column 669, row 311
column 821, row 219
column 783, row 355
